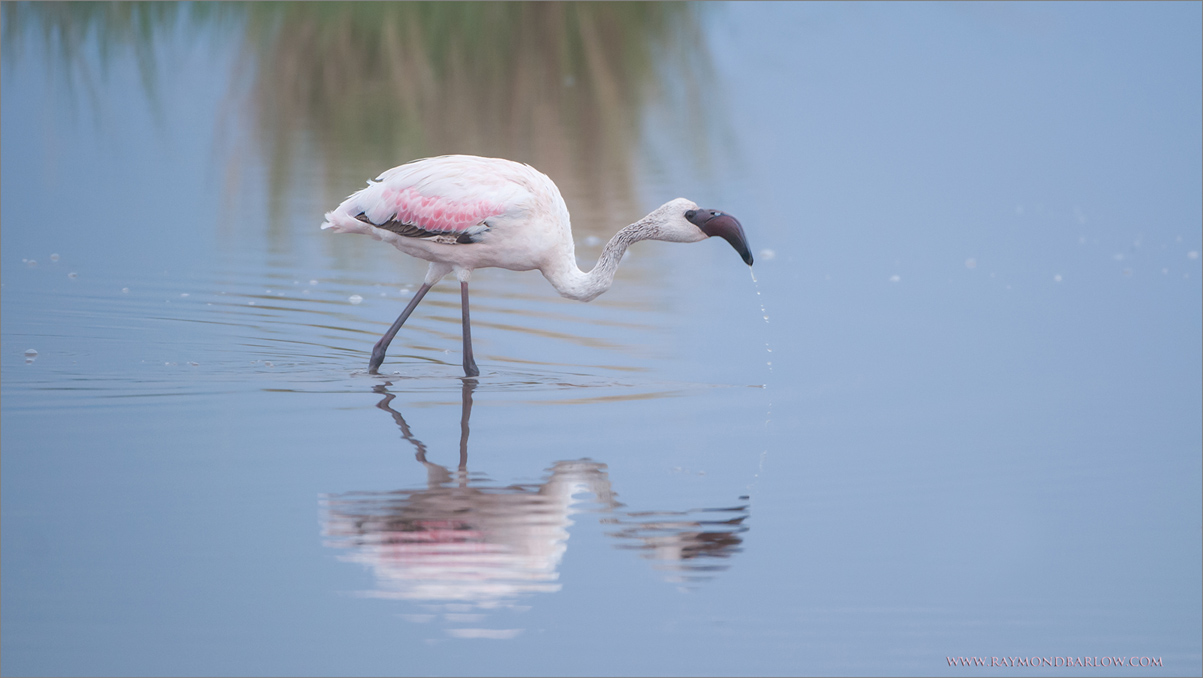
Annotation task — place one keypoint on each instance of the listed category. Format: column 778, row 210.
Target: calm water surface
column 968, row 427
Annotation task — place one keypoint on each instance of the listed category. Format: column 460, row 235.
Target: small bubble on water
column 971, row 263
column 268, row 363
column 30, row 262
column 250, row 303
column 355, row 299
column 1057, row 278
column 895, row 278
column 312, row 282
column 1192, row 255
column 768, row 254
column 193, row 363
column 72, row 275
column 184, row 295
column 125, row 290
column 170, row 364
column 30, row 355
column 54, row 257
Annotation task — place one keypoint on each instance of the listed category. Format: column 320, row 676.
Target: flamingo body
column 462, row 212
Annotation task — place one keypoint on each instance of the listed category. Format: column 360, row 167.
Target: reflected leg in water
column 381, row 346
column 464, row 415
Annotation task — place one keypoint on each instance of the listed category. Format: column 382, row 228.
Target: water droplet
column 54, row 257
column 355, row 299
column 895, row 278
column 1057, row 278
column 768, row 254
column 125, row 290
column 592, row 241
column 30, row 355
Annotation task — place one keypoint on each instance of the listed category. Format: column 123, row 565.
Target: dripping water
column 764, row 314
column 768, row 414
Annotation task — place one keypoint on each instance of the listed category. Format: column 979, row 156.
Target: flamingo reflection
column 462, row 545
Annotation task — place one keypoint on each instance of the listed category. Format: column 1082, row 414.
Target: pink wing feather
column 448, row 199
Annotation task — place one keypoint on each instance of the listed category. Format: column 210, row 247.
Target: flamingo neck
column 573, row 283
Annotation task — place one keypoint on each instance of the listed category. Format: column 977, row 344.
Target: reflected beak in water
column 716, row 223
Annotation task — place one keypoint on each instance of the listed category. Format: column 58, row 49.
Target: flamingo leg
column 469, row 362
column 382, row 345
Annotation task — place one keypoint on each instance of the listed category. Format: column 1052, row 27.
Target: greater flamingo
column 463, row 212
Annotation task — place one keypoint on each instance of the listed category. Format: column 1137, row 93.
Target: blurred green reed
column 348, row 89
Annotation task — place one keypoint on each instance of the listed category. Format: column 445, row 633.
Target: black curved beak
column 725, row 226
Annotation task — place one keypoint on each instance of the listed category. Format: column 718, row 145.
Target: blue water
column 969, row 426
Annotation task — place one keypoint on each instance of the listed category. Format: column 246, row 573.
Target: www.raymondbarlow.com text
column 1054, row 661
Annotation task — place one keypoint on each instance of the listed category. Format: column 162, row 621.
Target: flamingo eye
column 691, row 214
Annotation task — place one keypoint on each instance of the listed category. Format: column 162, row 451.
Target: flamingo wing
column 448, row 199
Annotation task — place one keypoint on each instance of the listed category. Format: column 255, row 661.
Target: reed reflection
column 324, row 94
column 464, row 548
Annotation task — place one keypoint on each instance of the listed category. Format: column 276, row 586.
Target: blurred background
column 955, row 412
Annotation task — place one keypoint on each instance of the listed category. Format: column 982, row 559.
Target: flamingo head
column 727, row 227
